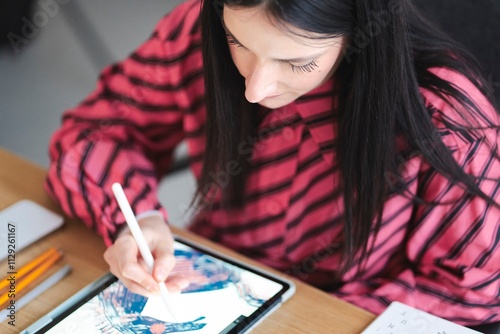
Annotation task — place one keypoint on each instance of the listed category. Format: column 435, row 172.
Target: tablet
column 224, row 296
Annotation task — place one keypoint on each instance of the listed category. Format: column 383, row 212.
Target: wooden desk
column 308, row 311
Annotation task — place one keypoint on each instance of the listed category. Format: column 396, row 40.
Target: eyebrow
column 292, row 60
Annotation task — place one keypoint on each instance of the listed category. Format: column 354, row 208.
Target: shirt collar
column 315, row 108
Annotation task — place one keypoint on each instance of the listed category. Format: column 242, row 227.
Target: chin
column 275, row 103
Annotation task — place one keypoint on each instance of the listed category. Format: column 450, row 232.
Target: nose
column 260, row 83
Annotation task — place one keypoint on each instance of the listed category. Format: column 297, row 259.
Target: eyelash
column 307, row 68
column 231, row 41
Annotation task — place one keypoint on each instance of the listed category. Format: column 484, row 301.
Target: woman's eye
column 307, row 68
column 231, row 41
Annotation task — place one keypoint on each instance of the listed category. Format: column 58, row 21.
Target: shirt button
column 288, row 133
column 273, row 208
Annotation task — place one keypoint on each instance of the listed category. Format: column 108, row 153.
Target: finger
column 176, row 284
column 133, row 286
column 128, row 266
column 164, row 260
column 109, row 256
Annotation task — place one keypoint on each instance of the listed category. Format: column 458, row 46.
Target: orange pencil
column 29, row 266
column 33, row 275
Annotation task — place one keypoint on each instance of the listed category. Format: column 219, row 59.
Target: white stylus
column 133, row 225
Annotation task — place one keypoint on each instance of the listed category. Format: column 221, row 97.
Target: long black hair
column 391, row 48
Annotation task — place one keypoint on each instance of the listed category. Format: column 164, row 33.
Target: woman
column 346, row 143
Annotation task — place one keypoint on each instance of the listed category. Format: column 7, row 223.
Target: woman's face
column 278, row 66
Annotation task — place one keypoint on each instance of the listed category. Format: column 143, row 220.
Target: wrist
column 147, row 214
column 154, row 222
column 148, row 219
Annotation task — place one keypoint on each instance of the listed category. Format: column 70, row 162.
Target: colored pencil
column 38, row 290
column 29, row 266
column 32, row 275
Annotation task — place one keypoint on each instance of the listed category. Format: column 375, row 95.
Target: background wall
column 56, row 64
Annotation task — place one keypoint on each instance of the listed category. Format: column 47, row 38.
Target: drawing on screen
column 120, row 311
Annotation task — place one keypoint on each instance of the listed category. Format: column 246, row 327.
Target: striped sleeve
column 452, row 251
column 127, row 128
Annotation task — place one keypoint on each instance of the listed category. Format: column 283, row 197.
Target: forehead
column 256, row 29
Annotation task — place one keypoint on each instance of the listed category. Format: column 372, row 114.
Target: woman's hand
column 126, row 263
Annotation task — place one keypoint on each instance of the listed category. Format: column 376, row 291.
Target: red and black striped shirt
column 442, row 257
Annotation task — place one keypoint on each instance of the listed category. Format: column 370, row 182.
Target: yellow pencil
column 29, row 266
column 33, row 275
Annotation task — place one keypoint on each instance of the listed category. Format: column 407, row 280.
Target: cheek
column 304, row 82
column 240, row 60
column 307, row 81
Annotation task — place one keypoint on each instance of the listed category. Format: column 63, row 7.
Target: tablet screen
column 223, row 297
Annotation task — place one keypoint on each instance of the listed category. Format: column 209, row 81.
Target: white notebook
column 23, row 223
column 399, row 318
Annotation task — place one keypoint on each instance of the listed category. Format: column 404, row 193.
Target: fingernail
column 161, row 274
column 154, row 288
